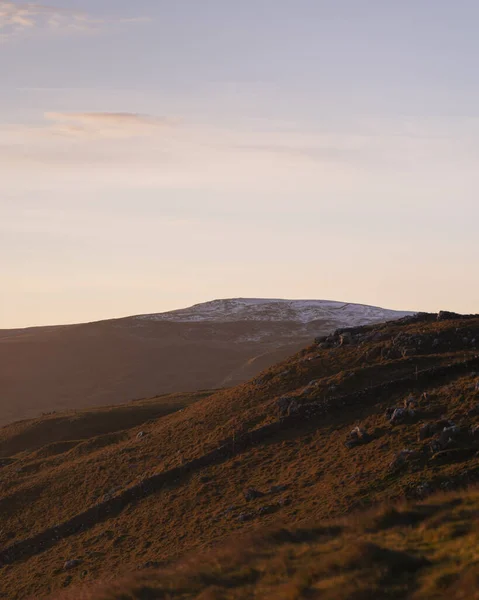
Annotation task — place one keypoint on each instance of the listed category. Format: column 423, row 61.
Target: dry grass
column 50, row 479
column 430, row 550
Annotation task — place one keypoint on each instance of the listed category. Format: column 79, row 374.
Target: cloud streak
column 105, row 124
column 20, row 18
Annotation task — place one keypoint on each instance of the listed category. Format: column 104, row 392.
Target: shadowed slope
column 207, row 346
column 417, row 551
column 181, row 485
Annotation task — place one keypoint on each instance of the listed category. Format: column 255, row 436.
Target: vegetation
column 234, row 479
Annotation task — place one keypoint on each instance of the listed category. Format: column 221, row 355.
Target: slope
column 207, row 346
column 276, row 449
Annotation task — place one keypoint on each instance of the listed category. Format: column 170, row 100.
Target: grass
column 428, row 550
column 60, row 465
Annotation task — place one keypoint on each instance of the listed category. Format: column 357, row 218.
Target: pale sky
column 159, row 153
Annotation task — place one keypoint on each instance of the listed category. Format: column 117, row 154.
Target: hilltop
column 211, row 345
column 364, row 416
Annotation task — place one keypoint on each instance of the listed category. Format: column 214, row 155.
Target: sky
column 159, row 153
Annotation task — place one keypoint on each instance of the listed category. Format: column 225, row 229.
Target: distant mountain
column 215, row 344
column 342, row 314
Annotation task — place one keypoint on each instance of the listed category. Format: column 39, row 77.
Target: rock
column 266, row 510
column 287, row 406
column 345, row 339
column 276, row 489
column 151, row 564
column 356, row 437
column 252, row 494
column 425, row 431
column 243, row 517
column 423, row 490
column 140, row 434
column 410, row 403
column 71, row 564
column 449, row 435
column 401, row 415
column 402, row 458
column 446, row 315
column 435, row 446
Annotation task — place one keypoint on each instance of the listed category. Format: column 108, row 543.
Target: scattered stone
column 449, row 435
column 401, row 415
column 71, row 564
column 151, row 564
column 276, row 489
column 402, row 458
column 252, row 494
column 410, row 403
column 287, row 406
column 243, row 517
column 423, row 490
column 446, row 315
column 356, row 437
column 266, row 510
column 426, row 431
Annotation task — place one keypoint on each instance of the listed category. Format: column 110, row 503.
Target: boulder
column 401, row 415
column 356, row 437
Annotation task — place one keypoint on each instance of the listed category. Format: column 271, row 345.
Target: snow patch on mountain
column 276, row 310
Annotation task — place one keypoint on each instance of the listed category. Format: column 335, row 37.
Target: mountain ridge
column 111, row 361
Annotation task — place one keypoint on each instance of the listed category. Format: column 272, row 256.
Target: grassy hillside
column 417, row 551
column 280, row 449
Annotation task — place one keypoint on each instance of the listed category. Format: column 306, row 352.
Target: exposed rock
column 449, row 435
column 425, row 431
column 423, row 490
column 401, row 415
column 446, row 315
column 252, row 494
column 243, row 517
column 402, row 458
column 410, row 403
column 266, row 510
column 151, row 564
column 356, row 437
column 287, row 406
column 276, row 489
column 71, row 564
column 140, row 434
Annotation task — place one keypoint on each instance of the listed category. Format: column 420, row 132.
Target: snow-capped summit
column 342, row 314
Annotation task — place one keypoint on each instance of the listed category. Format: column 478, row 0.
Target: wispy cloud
column 17, row 18
column 105, row 124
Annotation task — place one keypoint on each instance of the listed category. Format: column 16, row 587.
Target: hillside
column 216, row 344
column 370, row 415
column 421, row 550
